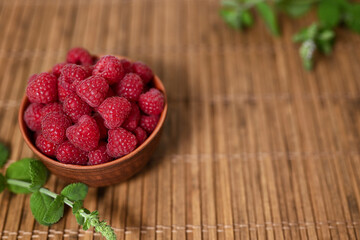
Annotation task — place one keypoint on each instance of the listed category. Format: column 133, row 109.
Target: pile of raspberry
column 89, row 111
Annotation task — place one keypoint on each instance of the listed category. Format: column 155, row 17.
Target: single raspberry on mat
column 120, row 142
column 56, row 70
column 64, row 89
column 143, row 71
column 99, row 155
column 32, row 77
column 148, row 123
column 110, row 68
column 130, row 87
column 133, row 119
column 93, row 90
column 45, row 146
column 84, row 134
column 33, row 116
column 74, row 107
column 127, row 65
column 100, row 122
column 73, row 74
column 152, row 102
column 114, row 111
column 43, row 89
column 54, row 127
column 69, row 154
column 79, row 56
column 51, row 108
column 140, row 135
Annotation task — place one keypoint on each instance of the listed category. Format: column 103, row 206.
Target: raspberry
column 74, row 107
column 99, row 155
column 130, row 87
column 85, row 134
column 43, row 89
column 143, row 71
column 56, row 70
column 54, row 126
column 114, row 111
column 32, row 77
column 64, row 89
column 93, row 90
column 148, row 123
column 45, row 146
column 110, row 68
column 32, row 116
column 127, row 65
column 110, row 93
column 68, row 153
column 73, row 74
column 120, row 142
column 152, row 102
column 133, row 119
column 140, row 135
column 50, row 108
column 79, row 56
column 100, row 122
column 89, row 69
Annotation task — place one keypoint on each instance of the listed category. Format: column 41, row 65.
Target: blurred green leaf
column 329, row 13
column 294, row 9
column 231, row 17
column 352, row 17
column 4, row 154
column 268, row 15
column 247, row 19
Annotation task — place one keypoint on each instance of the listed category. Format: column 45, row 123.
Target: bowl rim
column 23, row 128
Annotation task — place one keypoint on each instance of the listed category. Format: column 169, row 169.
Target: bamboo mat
column 254, row 146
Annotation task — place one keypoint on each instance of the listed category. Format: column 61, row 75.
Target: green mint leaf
column 326, row 35
column 75, row 191
column 38, row 175
column 247, row 19
column 80, row 219
column 19, row 170
column 329, row 13
column 55, row 210
column 77, row 206
column 306, row 51
column 39, row 205
column 231, row 17
column 294, row 9
column 307, row 33
column 4, row 154
column 268, row 15
column 352, row 17
column 2, row 182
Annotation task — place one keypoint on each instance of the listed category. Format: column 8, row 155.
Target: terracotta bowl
column 103, row 174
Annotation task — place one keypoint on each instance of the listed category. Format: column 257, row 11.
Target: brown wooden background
column 254, row 146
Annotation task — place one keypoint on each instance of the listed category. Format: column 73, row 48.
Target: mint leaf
column 80, row 219
column 247, row 19
column 268, row 15
column 55, row 210
column 77, row 206
column 38, row 175
column 75, row 191
column 231, row 17
column 306, row 51
column 329, row 13
column 2, row 182
column 4, row 154
column 39, row 205
column 19, row 170
column 352, row 17
column 294, row 9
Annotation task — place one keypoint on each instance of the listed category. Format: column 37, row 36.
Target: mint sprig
column 29, row 175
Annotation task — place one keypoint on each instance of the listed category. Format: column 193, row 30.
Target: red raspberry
column 99, row 155
column 32, row 77
column 148, row 123
column 54, row 126
column 127, row 65
column 79, row 56
column 152, row 102
column 130, row 87
column 45, row 146
column 74, row 107
column 140, row 135
column 143, row 71
column 69, row 154
column 89, row 69
column 133, row 119
column 93, row 90
column 64, row 89
column 120, row 142
column 43, row 89
column 100, row 122
column 56, row 70
column 73, row 74
column 85, row 134
column 50, row 108
column 114, row 111
column 110, row 68
column 32, row 116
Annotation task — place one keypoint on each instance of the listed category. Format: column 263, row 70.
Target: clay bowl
column 105, row 174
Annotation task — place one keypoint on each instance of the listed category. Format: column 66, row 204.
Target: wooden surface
column 254, row 146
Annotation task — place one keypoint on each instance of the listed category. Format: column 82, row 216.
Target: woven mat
column 254, row 146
